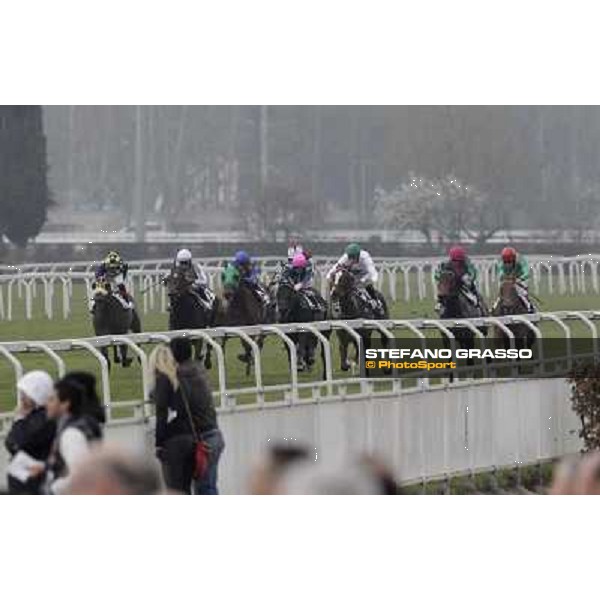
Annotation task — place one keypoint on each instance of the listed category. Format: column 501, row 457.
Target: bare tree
column 446, row 207
column 280, row 210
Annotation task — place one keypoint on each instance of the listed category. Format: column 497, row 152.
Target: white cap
column 184, row 255
column 37, row 386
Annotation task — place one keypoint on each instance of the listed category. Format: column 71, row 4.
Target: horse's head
column 178, row 283
column 507, row 294
column 343, row 281
column 446, row 285
column 101, row 290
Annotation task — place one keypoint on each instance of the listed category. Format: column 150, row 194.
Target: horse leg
column 125, row 361
column 311, row 344
column 198, row 350
column 117, row 355
column 246, row 356
column 136, row 324
column 385, row 343
column 327, row 334
column 207, row 358
column 105, row 353
column 343, row 339
column 303, row 352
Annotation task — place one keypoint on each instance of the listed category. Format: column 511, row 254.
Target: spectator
column 385, row 478
column 112, row 471
column 184, row 411
column 77, row 428
column 266, row 476
column 32, row 432
column 575, row 476
column 320, row 479
column 93, row 412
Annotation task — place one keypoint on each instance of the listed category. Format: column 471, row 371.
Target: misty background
column 438, row 172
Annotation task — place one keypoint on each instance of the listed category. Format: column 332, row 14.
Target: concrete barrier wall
column 422, row 434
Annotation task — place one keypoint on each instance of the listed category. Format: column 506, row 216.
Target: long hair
column 93, row 405
column 73, row 392
column 162, row 361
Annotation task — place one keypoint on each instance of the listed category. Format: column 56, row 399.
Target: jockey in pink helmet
column 300, row 272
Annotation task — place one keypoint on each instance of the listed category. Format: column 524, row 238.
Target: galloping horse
column 111, row 317
column 349, row 300
column 510, row 303
column 240, row 305
column 299, row 306
column 456, row 304
column 187, row 310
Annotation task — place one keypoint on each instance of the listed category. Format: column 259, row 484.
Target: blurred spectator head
column 384, row 476
column 266, row 475
column 35, row 389
column 182, row 349
column 577, row 476
column 325, row 479
column 114, row 471
column 70, row 398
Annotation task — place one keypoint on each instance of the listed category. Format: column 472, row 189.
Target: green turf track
column 126, row 383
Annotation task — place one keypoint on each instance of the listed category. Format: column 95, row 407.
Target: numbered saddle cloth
column 314, row 301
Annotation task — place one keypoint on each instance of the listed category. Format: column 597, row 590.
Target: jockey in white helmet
column 183, row 262
column 193, row 275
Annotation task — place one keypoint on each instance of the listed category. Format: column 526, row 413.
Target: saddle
column 261, row 294
column 314, row 301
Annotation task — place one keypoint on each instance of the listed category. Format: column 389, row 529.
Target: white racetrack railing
column 400, row 280
column 424, row 429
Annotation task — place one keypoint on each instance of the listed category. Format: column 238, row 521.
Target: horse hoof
column 127, row 362
column 345, row 366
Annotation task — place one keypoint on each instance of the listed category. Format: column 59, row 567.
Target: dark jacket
column 192, row 378
column 34, row 435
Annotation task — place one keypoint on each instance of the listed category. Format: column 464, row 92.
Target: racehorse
column 299, row 306
column 187, row 310
column 349, row 300
column 240, row 305
column 111, row 317
column 456, row 304
column 510, row 303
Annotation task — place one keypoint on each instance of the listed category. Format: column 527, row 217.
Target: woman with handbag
column 188, row 441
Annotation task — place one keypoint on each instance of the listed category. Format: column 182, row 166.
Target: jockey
column 114, row 272
column 514, row 264
column 293, row 248
column 300, row 272
column 360, row 262
column 192, row 272
column 464, row 270
column 249, row 273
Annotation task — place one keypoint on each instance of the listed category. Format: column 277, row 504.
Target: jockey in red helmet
column 465, row 271
column 514, row 264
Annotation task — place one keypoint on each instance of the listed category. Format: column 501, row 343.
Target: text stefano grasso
column 447, row 354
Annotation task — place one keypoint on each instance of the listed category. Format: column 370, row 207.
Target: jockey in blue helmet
column 249, row 274
column 247, row 268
